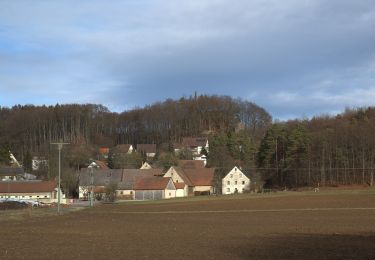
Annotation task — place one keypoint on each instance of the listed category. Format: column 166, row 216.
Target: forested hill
column 30, row 129
column 322, row 150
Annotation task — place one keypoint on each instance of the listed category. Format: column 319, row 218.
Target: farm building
column 125, row 188
column 99, row 180
column 124, row 179
column 235, row 181
column 154, row 188
column 124, row 148
column 44, row 191
column 195, row 180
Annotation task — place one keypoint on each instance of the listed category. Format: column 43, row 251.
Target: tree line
column 30, row 129
column 323, row 150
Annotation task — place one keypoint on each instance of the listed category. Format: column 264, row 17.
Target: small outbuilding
column 154, row 188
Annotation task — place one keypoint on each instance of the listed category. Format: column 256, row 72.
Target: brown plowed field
column 293, row 226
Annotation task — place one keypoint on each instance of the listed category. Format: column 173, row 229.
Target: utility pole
column 92, row 186
column 59, row 148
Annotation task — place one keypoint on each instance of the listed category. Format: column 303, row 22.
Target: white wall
column 235, row 179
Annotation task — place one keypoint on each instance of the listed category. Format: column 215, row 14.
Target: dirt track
column 286, row 227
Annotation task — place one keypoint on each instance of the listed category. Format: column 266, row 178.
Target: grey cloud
column 293, row 57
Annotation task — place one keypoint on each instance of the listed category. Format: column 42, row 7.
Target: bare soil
column 292, row 226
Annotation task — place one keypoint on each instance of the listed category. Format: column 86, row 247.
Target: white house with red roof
column 191, row 181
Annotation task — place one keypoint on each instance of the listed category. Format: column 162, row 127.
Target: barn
column 154, row 188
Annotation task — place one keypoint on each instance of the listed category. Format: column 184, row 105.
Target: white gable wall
column 235, row 179
column 172, row 173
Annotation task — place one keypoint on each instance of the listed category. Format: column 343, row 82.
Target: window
column 231, row 175
column 121, row 192
column 169, row 194
column 228, row 182
column 243, row 182
column 228, row 190
column 235, row 183
column 37, row 196
column 176, row 181
column 240, row 175
column 45, row 196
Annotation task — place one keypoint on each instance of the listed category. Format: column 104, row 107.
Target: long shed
column 154, row 188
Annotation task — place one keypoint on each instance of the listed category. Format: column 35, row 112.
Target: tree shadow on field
column 307, row 246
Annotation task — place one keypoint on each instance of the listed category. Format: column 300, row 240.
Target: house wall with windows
column 235, row 182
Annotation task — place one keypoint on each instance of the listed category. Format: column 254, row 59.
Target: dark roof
column 191, row 164
column 27, row 186
column 122, row 148
column 146, row 148
column 125, row 178
column 194, row 141
column 151, row 183
column 11, row 171
column 101, row 177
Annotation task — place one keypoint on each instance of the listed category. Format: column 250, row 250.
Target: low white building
column 44, row 191
column 235, row 182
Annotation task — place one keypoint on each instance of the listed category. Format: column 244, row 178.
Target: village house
column 124, row 148
column 148, row 149
column 191, row 181
column 104, row 152
column 196, row 145
column 235, row 181
column 43, row 191
column 38, row 163
column 146, row 166
column 154, row 188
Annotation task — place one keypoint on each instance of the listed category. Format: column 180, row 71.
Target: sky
column 295, row 58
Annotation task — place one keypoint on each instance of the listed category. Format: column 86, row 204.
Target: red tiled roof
column 151, row 183
column 104, row 150
column 27, row 186
column 123, row 148
column 146, row 148
column 201, row 176
column 191, row 164
column 179, row 185
column 194, row 141
column 181, row 173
